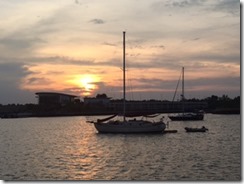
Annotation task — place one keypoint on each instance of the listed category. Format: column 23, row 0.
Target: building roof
column 97, row 98
column 54, row 93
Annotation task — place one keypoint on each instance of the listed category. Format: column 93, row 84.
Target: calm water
column 67, row 148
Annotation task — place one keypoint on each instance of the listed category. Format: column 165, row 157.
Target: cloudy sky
column 75, row 47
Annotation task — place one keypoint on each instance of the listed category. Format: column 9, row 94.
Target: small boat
column 170, row 131
column 202, row 129
column 128, row 126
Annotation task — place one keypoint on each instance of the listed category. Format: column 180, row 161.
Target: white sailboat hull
column 134, row 126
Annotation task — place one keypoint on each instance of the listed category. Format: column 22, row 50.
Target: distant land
column 212, row 104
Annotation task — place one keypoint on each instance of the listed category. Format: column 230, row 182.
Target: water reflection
column 70, row 149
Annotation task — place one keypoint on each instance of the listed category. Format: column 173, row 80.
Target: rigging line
column 177, row 87
column 130, row 85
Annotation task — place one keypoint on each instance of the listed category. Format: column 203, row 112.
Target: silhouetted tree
column 101, row 95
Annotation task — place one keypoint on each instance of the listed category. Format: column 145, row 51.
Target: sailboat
column 186, row 116
column 108, row 125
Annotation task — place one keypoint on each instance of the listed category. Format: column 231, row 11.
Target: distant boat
column 202, row 129
column 108, row 125
column 192, row 116
column 187, row 117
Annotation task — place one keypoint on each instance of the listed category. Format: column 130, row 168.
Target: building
column 52, row 98
column 146, row 106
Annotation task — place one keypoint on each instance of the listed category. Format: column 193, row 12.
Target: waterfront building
column 52, row 98
column 155, row 106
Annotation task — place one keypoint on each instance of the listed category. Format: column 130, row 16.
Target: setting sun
column 87, row 83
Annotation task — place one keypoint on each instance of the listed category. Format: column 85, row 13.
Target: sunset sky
column 75, row 47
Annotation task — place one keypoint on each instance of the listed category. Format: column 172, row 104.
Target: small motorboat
column 202, row 129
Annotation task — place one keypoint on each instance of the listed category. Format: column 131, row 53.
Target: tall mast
column 124, row 75
column 183, row 95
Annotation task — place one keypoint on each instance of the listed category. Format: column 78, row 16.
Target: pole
column 124, row 75
column 183, row 92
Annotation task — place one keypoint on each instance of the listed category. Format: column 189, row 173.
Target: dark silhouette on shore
column 213, row 104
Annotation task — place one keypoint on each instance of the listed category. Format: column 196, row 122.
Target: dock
column 170, row 131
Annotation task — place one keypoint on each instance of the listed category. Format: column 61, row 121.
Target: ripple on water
column 67, row 148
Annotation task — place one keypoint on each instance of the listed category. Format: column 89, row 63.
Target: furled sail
column 151, row 116
column 106, row 119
